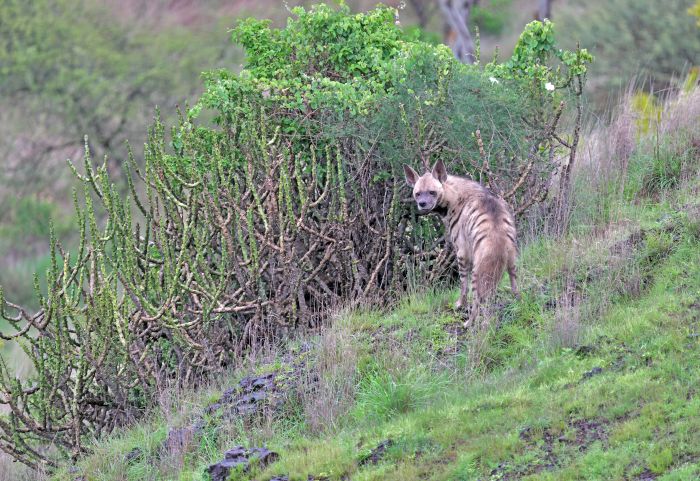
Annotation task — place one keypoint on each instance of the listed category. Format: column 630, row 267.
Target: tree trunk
column 456, row 14
column 544, row 10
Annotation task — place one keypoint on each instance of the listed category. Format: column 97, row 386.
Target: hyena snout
column 426, row 202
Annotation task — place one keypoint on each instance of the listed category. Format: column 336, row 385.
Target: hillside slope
column 593, row 374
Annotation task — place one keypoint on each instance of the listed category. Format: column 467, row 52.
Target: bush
column 290, row 204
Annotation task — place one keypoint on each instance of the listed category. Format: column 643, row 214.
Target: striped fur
column 480, row 226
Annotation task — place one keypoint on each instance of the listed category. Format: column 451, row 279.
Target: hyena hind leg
column 465, row 268
column 513, row 278
column 473, row 313
column 476, row 303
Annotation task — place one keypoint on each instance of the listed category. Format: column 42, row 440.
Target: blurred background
column 100, row 68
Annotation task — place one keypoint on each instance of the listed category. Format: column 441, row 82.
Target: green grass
column 603, row 387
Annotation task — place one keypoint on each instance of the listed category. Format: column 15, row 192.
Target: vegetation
column 257, row 227
column 70, row 60
column 257, row 276
column 694, row 10
column 591, row 375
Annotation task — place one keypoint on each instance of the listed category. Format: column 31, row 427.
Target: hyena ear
column 439, row 171
column 411, row 175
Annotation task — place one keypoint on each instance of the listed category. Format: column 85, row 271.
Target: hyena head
column 427, row 188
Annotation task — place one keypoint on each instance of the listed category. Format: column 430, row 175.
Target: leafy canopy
column 534, row 54
column 325, row 58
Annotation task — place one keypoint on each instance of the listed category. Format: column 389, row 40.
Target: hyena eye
column 433, row 193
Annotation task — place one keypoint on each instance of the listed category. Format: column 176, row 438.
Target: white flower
column 549, row 86
column 494, row 80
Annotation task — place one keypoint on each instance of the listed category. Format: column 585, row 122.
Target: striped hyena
column 480, row 225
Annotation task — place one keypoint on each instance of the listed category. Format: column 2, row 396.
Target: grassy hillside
column 550, row 394
column 554, row 391
column 591, row 375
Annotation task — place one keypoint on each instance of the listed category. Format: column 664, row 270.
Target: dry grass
column 566, row 328
column 332, row 376
column 682, row 114
column 680, row 124
column 605, row 154
column 11, row 470
column 175, row 409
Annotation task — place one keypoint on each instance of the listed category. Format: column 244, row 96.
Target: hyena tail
column 488, row 269
column 488, row 272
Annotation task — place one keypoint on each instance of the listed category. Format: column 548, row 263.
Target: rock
column 593, row 372
column 133, row 455
column 221, row 470
column 246, row 398
column 240, row 457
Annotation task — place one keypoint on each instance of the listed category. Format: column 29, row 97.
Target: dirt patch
column 551, row 447
column 585, row 433
column 588, row 432
column 646, row 475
